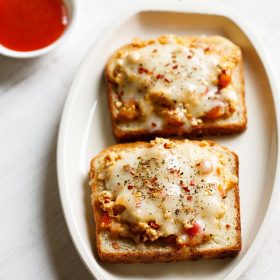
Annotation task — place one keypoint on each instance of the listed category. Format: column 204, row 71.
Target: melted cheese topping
column 182, row 77
column 167, row 189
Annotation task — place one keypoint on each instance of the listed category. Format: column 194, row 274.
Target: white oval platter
column 85, row 130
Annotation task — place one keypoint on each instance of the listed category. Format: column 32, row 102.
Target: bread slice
column 175, row 85
column 166, row 200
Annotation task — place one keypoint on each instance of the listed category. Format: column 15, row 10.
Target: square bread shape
column 176, row 85
column 166, row 200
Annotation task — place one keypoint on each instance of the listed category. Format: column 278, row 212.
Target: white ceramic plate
column 86, row 129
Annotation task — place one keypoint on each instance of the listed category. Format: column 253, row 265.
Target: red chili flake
column 184, row 187
column 107, row 158
column 130, row 187
column 153, row 124
column 128, row 168
column 159, row 76
column 192, row 183
column 166, row 146
column 107, row 200
column 166, row 80
column 138, row 204
column 142, row 70
column 115, row 245
column 189, row 197
column 153, row 180
column 194, row 230
column 175, row 172
column 175, row 67
column 154, row 225
column 228, row 226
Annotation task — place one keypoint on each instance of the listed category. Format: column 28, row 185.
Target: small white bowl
column 71, row 9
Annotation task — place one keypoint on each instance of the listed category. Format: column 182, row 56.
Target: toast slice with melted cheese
column 166, row 200
column 175, row 85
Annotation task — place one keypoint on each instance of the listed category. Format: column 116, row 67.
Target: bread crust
column 208, row 127
column 174, row 255
column 155, row 254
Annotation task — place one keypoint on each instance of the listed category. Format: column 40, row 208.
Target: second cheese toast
column 167, row 200
column 175, row 85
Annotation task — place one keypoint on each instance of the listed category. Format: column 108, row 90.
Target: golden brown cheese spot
column 216, row 112
column 224, row 78
column 129, row 111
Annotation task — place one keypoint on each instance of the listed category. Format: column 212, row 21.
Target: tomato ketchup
column 28, row 25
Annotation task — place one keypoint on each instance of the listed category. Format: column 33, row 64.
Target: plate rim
column 186, row 6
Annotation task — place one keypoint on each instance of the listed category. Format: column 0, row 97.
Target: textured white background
column 34, row 241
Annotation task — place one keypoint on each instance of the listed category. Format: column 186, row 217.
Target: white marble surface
column 34, row 241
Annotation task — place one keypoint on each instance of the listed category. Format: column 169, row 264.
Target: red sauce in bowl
column 28, row 25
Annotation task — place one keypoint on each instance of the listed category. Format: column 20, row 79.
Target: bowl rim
column 72, row 7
